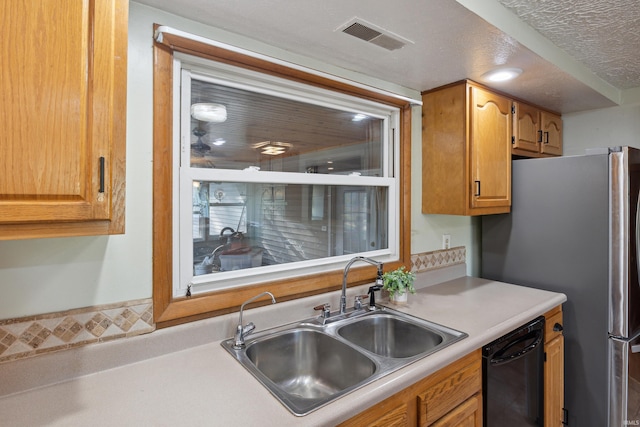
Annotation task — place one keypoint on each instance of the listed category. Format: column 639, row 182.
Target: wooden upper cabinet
column 490, row 151
column 466, row 152
column 527, row 132
column 551, row 125
column 62, row 115
column 536, row 132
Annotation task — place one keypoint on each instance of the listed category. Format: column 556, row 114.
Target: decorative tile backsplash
column 33, row 335
column 426, row 261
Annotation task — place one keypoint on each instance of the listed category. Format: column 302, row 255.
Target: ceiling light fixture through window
column 207, row 112
column 272, row 148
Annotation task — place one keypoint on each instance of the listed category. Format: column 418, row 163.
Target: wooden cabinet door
column 490, row 149
column 551, row 126
column 554, row 382
column 456, row 384
column 467, row 414
column 527, row 133
column 396, row 411
column 553, row 368
column 62, row 114
column 394, row 418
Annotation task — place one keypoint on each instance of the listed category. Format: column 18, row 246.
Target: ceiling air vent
column 372, row 34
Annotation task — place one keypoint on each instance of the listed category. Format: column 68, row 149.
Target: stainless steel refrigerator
column 573, row 228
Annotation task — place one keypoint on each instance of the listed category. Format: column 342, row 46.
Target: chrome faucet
column 343, row 297
column 243, row 331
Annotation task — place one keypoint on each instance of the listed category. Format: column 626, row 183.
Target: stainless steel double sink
column 310, row 363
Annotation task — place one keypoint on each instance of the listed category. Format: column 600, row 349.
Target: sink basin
column 310, row 363
column 305, row 368
column 391, row 336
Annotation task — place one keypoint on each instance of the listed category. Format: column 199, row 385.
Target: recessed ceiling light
column 502, row 74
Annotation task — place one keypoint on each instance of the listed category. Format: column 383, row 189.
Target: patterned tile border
column 426, row 261
column 33, row 335
column 30, row 336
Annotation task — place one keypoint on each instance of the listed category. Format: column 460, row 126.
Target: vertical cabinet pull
column 477, row 188
column 546, row 137
column 540, row 136
column 101, row 190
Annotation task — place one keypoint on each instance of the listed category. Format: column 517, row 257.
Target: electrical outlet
column 446, row 241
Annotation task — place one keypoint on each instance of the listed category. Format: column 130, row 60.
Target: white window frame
column 187, row 67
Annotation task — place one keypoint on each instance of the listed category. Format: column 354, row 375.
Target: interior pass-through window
column 277, row 178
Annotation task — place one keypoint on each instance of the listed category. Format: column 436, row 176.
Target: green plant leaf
column 399, row 281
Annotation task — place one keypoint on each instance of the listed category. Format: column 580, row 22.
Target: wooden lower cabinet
column 395, row 418
column 553, row 369
column 450, row 397
column 467, row 414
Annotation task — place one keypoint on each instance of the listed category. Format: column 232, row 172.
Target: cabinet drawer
column 457, row 387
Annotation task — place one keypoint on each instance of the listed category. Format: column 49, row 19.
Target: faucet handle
column 248, row 328
column 326, row 310
column 357, row 304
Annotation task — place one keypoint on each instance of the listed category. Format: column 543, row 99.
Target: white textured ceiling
column 573, row 57
column 603, row 35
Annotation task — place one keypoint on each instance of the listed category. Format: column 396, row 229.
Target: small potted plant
column 398, row 283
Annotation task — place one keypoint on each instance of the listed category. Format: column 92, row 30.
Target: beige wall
column 48, row 275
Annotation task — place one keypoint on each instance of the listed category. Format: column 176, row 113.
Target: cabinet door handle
column 546, row 137
column 540, row 136
column 101, row 190
column 477, row 188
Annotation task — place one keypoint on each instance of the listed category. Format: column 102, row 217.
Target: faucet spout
column 343, row 296
column 242, row 330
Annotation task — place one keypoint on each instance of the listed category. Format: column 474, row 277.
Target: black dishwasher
column 513, row 378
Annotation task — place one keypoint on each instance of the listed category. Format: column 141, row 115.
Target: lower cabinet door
column 394, row 418
column 451, row 391
column 467, row 414
column 554, row 382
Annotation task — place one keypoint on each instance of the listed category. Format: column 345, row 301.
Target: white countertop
column 203, row 385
